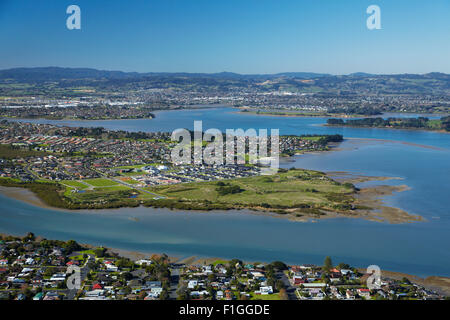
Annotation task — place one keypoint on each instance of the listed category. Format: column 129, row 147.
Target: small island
column 332, row 112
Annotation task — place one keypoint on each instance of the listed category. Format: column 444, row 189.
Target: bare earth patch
column 371, row 197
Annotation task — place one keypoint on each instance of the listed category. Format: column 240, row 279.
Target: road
column 84, row 271
column 157, row 196
column 290, row 290
column 174, row 280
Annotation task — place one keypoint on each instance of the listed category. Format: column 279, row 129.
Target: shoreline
column 26, row 196
column 434, row 282
column 249, row 110
column 369, row 199
column 441, row 284
column 196, row 107
column 401, row 142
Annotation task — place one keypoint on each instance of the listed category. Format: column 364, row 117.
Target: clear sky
column 244, row 36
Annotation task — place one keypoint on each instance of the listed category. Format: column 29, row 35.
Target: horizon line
column 219, row 72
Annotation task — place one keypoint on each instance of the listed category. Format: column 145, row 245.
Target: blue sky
column 244, row 36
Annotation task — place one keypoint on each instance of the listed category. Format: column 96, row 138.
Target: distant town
column 88, row 94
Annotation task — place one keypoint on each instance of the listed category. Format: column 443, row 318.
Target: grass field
column 274, row 296
column 293, row 189
column 10, row 152
column 113, row 193
column 76, row 184
column 215, row 263
column 100, row 182
column 129, row 180
column 111, row 188
column 110, row 192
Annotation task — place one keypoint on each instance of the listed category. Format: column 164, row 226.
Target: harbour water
column 420, row 158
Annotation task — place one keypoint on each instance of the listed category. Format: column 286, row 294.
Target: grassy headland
column 296, row 194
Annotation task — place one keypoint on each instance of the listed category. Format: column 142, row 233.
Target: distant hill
column 58, row 73
column 433, row 83
column 361, row 74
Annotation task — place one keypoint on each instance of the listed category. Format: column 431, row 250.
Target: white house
column 58, row 277
column 112, row 268
column 156, row 290
column 95, row 293
column 144, row 261
column 192, row 284
column 266, row 290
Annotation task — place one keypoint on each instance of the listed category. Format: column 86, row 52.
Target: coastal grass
column 292, row 189
column 75, row 184
column 101, row 194
column 295, row 191
column 48, row 192
column 224, row 262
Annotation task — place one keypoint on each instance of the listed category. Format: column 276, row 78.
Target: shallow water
column 417, row 248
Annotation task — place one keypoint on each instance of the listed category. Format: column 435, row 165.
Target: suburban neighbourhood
column 95, row 159
column 34, row 268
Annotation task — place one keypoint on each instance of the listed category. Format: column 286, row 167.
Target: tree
column 279, row 285
column 343, row 266
column 164, row 295
column 182, row 292
column 327, row 264
column 406, row 280
column 279, row 265
column 71, row 246
column 283, row 295
column 30, row 237
column 142, row 295
column 127, row 276
column 99, row 252
column 211, row 277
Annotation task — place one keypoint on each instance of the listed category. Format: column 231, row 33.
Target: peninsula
column 93, row 168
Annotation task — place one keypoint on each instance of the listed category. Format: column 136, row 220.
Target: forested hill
column 355, row 83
